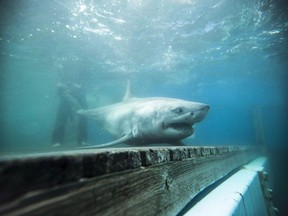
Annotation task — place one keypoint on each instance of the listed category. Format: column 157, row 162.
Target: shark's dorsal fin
column 128, row 94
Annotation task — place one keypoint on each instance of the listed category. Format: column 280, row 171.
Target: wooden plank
column 150, row 181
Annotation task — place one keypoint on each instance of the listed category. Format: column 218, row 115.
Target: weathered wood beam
column 152, row 181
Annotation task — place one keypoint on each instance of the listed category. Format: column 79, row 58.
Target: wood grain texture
column 146, row 181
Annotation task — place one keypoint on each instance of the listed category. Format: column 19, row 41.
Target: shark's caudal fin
column 121, row 140
column 128, row 94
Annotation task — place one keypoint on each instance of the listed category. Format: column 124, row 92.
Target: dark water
column 231, row 55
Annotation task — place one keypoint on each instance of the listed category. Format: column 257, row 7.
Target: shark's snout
column 200, row 114
column 205, row 108
column 202, row 110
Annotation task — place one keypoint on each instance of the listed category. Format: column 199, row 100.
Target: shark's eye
column 179, row 110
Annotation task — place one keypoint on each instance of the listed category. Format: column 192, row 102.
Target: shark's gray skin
column 148, row 120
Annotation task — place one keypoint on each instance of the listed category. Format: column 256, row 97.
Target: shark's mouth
column 183, row 127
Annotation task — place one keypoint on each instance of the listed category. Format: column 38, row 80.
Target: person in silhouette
column 72, row 98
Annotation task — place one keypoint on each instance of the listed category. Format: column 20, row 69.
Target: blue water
column 231, row 55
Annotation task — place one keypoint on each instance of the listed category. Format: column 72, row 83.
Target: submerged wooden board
column 146, row 181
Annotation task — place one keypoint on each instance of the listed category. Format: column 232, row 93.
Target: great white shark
column 148, row 120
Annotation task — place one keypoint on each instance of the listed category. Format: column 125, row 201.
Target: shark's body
column 148, row 120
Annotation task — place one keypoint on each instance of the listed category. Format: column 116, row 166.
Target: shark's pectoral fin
column 123, row 139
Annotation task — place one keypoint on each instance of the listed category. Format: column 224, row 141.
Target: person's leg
column 82, row 131
column 82, row 121
column 60, row 123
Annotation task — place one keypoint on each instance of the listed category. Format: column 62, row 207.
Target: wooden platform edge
column 152, row 181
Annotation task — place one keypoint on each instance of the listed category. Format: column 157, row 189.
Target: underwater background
column 229, row 54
